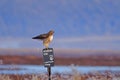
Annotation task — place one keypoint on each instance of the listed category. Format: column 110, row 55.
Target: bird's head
column 51, row 32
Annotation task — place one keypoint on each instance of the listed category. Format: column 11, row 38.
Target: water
column 37, row 69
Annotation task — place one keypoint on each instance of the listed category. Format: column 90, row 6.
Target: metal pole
column 49, row 72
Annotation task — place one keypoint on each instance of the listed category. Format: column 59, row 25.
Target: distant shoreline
column 62, row 57
column 85, row 61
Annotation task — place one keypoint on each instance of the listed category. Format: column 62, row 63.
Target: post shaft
column 49, row 72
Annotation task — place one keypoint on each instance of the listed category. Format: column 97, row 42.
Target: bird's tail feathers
column 35, row 38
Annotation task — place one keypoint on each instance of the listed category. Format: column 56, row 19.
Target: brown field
column 92, row 61
column 62, row 57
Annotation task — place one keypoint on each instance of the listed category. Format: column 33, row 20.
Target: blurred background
column 79, row 24
column 82, row 27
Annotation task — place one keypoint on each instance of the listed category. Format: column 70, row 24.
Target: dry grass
column 75, row 75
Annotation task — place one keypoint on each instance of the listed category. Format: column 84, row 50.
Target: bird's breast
column 51, row 37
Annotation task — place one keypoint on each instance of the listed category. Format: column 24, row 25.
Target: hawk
column 46, row 38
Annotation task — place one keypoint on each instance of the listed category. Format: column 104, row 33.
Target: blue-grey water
column 36, row 69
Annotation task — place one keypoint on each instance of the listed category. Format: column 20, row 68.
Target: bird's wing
column 42, row 36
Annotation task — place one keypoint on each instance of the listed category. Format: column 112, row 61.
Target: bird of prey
column 46, row 38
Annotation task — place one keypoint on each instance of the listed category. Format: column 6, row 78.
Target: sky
column 81, row 24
